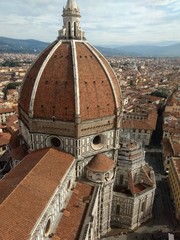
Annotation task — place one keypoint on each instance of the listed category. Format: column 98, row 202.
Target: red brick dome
column 101, row 163
column 70, row 79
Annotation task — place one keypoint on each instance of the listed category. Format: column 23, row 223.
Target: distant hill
column 9, row 45
column 143, row 51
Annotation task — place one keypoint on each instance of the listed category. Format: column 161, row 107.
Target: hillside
column 9, row 45
column 143, row 51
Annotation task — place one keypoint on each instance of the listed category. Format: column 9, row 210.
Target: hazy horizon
column 104, row 22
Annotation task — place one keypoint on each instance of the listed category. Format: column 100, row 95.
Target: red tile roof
column 26, row 190
column 4, row 139
column 19, row 153
column 30, row 78
column 146, row 124
column 97, row 97
column 167, row 148
column 15, row 140
column 57, row 86
column 6, row 110
column 176, row 161
column 101, row 163
column 71, row 223
column 12, row 123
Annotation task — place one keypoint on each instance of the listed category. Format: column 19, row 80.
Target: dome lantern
column 71, row 18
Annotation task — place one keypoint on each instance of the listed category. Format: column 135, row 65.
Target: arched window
column 118, row 209
column 47, row 228
column 121, row 179
column 75, row 30
column 143, row 207
column 98, row 177
column 69, row 29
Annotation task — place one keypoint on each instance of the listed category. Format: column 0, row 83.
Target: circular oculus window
column 98, row 142
column 54, row 141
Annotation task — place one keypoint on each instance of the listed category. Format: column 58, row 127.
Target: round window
column 98, row 142
column 47, row 228
column 55, row 142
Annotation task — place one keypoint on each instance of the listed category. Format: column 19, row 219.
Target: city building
column 134, row 188
column 4, row 142
column 171, row 118
column 174, row 183
column 140, row 125
column 171, row 148
column 6, row 112
column 168, row 153
column 70, row 113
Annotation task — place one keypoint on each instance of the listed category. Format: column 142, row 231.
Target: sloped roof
column 4, row 138
column 101, row 163
column 26, row 190
column 71, row 223
column 72, row 81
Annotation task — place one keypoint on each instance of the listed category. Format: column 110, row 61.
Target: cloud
column 104, row 22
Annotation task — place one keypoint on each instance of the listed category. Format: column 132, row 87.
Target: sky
column 105, row 22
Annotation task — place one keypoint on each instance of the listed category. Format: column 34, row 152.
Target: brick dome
column 70, row 78
column 101, row 163
column 70, row 90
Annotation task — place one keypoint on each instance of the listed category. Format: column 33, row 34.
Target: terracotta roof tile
column 97, row 98
column 167, row 148
column 147, row 124
column 176, row 161
column 19, row 153
column 70, row 225
column 15, row 140
column 12, row 123
column 57, row 84
column 4, row 138
column 30, row 78
column 96, row 95
column 101, row 163
column 26, row 190
column 6, row 110
column 176, row 148
column 113, row 77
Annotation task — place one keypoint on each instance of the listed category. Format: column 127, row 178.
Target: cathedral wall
column 90, row 229
column 25, row 133
column 49, row 219
column 80, row 148
column 122, row 210
column 133, row 164
column 130, row 212
column 105, row 206
column 122, row 177
column 99, row 177
column 143, row 207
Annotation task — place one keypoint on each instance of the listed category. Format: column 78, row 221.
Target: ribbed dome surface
column 101, row 163
column 70, row 79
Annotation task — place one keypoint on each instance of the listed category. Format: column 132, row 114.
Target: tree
column 162, row 94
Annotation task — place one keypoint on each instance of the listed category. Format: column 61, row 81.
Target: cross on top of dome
column 71, row 19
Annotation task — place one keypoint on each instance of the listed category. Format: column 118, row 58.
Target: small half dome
column 101, row 163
